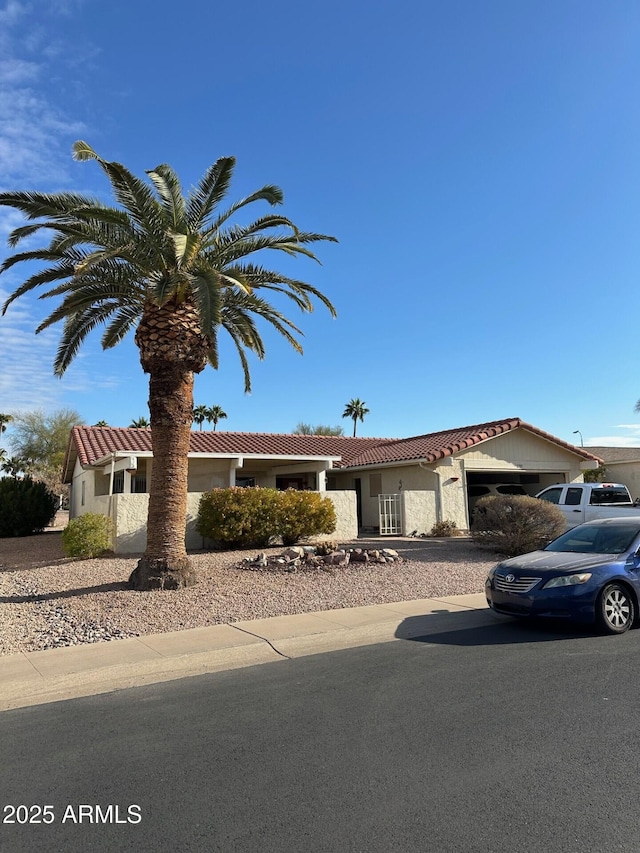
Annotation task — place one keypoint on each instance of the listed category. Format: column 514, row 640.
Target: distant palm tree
column 176, row 269
column 356, row 410
column 139, row 423
column 14, row 466
column 4, row 420
column 102, row 424
column 200, row 415
column 215, row 413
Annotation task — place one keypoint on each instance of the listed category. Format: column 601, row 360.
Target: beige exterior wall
column 129, row 514
column 627, row 473
column 206, row 474
column 520, row 450
column 418, row 511
column 344, row 503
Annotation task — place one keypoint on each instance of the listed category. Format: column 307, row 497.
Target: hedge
column 256, row 517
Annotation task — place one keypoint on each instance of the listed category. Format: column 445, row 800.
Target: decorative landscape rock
column 309, row 558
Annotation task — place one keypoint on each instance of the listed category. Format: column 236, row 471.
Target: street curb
column 34, row 678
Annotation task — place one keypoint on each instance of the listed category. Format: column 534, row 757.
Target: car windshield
column 597, row 539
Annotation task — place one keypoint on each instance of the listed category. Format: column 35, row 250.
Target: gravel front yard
column 48, row 601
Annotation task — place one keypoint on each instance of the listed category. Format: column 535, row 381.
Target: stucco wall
column 418, row 511
column 627, row 473
column 129, row 513
column 521, row 450
column 344, row 503
column 207, row 474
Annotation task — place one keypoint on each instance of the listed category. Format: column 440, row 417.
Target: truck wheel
column 615, row 609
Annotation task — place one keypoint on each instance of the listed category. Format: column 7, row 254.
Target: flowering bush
column 255, row 517
column 304, row 514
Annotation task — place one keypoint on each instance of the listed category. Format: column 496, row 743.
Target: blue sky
column 478, row 163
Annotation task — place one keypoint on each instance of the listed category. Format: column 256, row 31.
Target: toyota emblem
column 509, row 578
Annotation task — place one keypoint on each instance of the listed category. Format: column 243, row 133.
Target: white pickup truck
column 586, row 501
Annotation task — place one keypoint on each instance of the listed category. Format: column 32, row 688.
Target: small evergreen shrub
column 88, row 535
column 444, row 528
column 26, row 506
column 239, row 517
column 255, row 517
column 304, row 514
column 515, row 524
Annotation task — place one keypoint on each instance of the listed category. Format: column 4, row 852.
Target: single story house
column 387, row 485
column 622, row 465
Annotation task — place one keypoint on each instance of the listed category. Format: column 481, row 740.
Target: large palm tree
column 177, row 270
column 215, row 414
column 355, row 409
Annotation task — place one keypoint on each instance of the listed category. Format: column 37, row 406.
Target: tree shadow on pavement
column 482, row 628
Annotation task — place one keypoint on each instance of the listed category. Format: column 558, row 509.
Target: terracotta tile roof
column 438, row 445
column 90, row 444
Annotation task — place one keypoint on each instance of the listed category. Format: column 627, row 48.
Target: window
column 574, row 497
column 375, row 485
column 138, row 484
column 609, row 496
column 118, row 483
column 551, row 495
column 245, row 482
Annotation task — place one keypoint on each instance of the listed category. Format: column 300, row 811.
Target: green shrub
column 304, row 514
column 239, row 517
column 444, row 528
column 515, row 524
column 88, row 535
column 256, row 517
column 26, row 506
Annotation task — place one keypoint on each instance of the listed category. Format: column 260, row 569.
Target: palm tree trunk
column 165, row 564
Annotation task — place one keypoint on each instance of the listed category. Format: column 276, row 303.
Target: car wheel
column 615, row 609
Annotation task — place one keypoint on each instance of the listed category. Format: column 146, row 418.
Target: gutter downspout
column 110, row 503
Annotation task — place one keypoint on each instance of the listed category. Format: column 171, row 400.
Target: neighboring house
column 396, row 486
column 622, row 465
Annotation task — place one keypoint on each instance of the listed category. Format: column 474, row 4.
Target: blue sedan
column 589, row 574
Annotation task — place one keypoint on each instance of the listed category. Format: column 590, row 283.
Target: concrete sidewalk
column 33, row 678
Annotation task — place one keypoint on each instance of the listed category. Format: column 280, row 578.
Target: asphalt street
column 497, row 737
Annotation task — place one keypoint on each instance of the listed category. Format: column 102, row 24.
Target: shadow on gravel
column 481, row 628
column 117, row 586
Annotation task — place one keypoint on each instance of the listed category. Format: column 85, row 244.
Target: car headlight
column 568, row 580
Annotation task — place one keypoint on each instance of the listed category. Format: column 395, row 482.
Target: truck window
column 574, row 497
column 551, row 495
column 609, row 496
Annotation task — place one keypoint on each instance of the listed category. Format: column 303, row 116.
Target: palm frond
column 104, row 263
column 76, row 329
column 132, row 193
column 206, row 290
column 211, row 189
column 270, row 193
column 35, row 205
column 120, row 326
column 169, row 189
